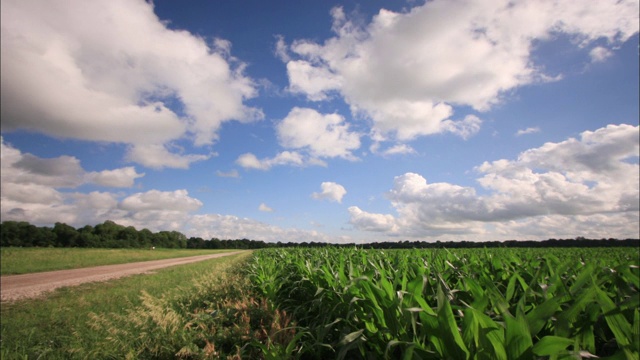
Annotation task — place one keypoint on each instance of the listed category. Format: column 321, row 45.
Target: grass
column 67, row 323
column 29, row 260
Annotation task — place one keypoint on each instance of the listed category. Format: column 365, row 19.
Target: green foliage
column 109, row 235
column 463, row 304
column 174, row 313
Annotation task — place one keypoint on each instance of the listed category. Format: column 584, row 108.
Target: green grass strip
column 30, row 260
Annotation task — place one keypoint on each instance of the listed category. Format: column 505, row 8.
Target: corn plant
column 463, row 304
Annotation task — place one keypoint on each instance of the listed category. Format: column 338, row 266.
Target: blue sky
column 344, row 121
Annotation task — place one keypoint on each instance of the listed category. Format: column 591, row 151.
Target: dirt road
column 13, row 287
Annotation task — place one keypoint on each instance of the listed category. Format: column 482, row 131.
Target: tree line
column 112, row 235
column 109, row 235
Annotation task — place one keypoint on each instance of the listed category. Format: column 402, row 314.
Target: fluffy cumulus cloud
column 330, row 191
column 322, row 135
column 373, row 222
column 157, row 210
column 107, row 71
column 312, row 137
column 445, row 54
column 586, row 186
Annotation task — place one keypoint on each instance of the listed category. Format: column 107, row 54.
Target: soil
column 15, row 287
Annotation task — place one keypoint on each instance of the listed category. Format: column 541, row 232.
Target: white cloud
column 406, row 119
column 281, row 49
column 106, row 71
column 178, row 200
column 157, row 156
column 250, row 161
column 322, row 135
column 123, row 177
column 93, row 208
column 529, row 130
column 399, row 149
column 372, row 222
column 465, row 128
column 600, row 54
column 157, row 210
column 445, row 54
column 29, row 193
column 595, row 226
column 313, row 136
column 330, row 191
column 315, row 82
column 290, row 158
column 576, row 184
column 265, row 208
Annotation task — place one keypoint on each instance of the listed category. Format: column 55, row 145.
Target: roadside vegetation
column 30, row 260
column 141, row 316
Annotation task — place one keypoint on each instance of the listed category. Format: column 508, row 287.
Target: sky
column 328, row 121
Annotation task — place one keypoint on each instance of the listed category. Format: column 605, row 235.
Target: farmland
column 350, row 303
column 473, row 304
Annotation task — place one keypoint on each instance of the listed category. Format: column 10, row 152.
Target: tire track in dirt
column 14, row 287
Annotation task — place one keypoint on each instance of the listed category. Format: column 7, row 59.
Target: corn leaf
column 518, row 338
column 617, row 323
column 451, row 336
column 551, row 345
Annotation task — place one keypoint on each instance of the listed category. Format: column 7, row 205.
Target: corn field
column 462, row 304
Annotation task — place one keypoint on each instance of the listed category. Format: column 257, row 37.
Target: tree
column 88, row 238
column 145, row 238
column 214, row 243
column 10, row 233
column 108, row 234
column 43, row 236
column 128, row 237
column 66, row 236
column 195, row 243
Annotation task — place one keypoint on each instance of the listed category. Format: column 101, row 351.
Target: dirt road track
column 14, row 287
